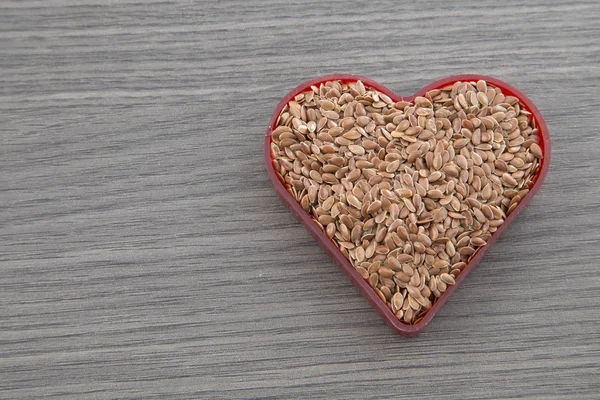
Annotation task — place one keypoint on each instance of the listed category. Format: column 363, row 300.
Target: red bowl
column 343, row 263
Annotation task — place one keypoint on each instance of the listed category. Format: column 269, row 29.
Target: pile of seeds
column 408, row 191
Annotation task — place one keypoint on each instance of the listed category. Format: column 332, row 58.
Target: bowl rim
column 343, row 263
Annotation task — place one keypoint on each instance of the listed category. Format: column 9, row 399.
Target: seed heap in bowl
column 408, row 191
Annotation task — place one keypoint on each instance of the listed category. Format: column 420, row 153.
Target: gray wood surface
column 144, row 254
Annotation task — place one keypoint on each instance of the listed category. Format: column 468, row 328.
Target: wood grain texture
column 144, row 254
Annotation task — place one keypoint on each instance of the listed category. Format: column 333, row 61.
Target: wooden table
column 144, row 254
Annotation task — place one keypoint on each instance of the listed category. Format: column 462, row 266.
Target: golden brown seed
column 360, row 254
column 363, row 272
column 536, row 150
column 328, row 203
column 387, row 293
column 373, row 279
column 394, row 264
column 393, row 166
column 382, row 250
column 396, row 301
column 466, row 251
column 374, row 207
column 403, row 192
column 460, row 143
column 435, row 176
column 482, row 86
column 486, row 192
column 477, row 241
column 507, row 179
column 424, row 239
column 408, row 316
column 354, row 175
column 358, row 150
column 380, row 234
column 447, row 279
column 450, row 250
column 316, row 176
column 435, row 194
column 405, row 258
column 403, row 277
column 353, row 201
column 356, row 232
column 386, row 272
column 330, row 230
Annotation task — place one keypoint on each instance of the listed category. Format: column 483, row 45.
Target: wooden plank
column 143, row 253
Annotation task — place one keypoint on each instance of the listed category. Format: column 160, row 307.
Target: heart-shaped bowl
column 328, row 245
